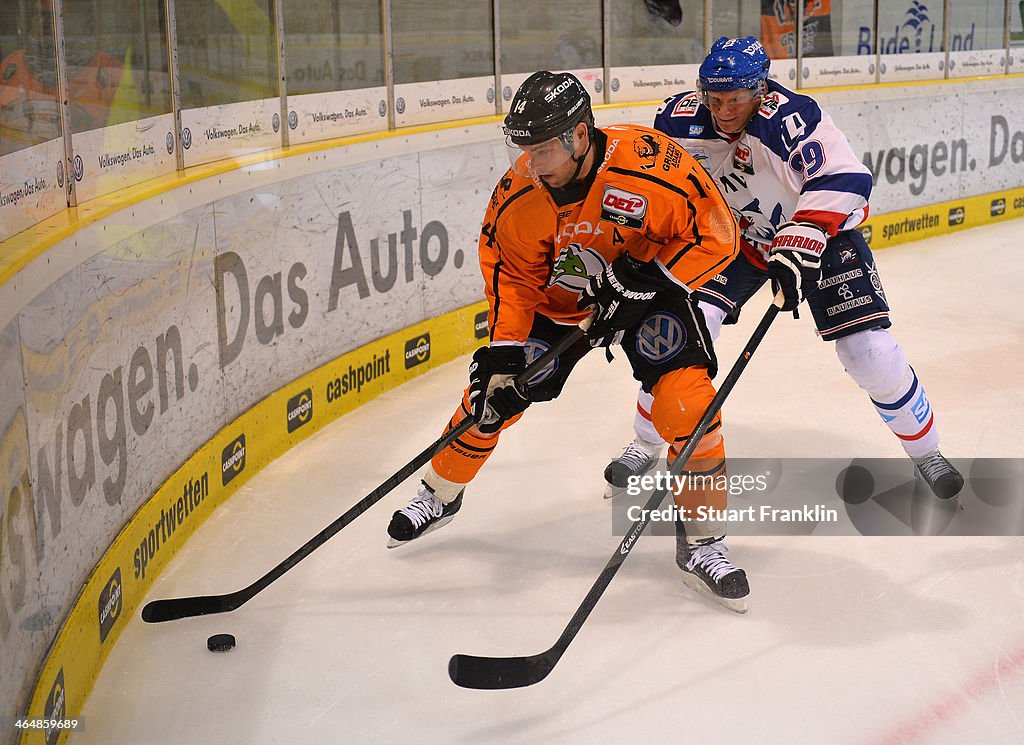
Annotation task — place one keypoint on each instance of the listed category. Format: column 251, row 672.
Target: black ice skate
column 423, row 514
column 637, row 458
column 940, row 475
column 708, row 572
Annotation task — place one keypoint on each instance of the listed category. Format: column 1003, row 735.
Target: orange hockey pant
column 680, row 399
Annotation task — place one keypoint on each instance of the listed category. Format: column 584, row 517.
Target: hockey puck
column 220, row 643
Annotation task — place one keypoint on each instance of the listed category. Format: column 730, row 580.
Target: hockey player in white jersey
column 798, row 192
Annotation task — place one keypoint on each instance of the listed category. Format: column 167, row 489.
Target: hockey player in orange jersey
column 620, row 222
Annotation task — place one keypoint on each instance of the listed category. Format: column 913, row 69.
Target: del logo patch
column 686, row 106
column 771, row 103
column 623, row 207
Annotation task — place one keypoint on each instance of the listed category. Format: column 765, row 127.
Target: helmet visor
column 541, row 159
column 735, row 97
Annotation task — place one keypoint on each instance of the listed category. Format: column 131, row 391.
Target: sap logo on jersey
column 623, row 207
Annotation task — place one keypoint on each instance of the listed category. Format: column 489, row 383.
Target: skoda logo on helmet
column 559, row 89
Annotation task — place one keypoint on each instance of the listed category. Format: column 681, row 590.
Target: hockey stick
column 170, row 609
column 469, row 671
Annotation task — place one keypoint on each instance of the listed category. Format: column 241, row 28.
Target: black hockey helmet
column 548, row 105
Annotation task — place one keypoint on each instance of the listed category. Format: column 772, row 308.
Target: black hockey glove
column 621, row 295
column 493, row 393
column 794, row 261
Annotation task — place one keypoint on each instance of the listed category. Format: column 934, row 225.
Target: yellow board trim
column 77, row 655
column 894, row 228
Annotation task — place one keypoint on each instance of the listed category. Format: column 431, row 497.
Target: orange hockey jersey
column 649, row 199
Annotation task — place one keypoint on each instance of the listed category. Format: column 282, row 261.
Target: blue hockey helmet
column 735, row 64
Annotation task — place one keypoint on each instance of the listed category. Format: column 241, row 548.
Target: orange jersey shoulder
column 667, row 208
column 516, row 244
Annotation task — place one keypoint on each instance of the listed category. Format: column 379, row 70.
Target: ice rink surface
column 849, row 640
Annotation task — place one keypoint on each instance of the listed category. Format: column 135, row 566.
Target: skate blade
column 611, row 491
column 395, row 543
column 737, row 605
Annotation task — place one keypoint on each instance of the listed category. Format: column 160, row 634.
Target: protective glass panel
column 837, row 44
column 656, row 32
column 1016, row 36
column 442, row 40
column 978, row 24
column 117, row 61
column 655, row 48
column 910, row 41
column 335, row 60
column 736, row 18
column 333, row 45
column 778, row 28
column 28, row 75
column 551, row 36
column 976, row 38
column 225, row 51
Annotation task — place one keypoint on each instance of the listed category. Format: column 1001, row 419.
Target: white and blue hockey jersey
column 790, row 163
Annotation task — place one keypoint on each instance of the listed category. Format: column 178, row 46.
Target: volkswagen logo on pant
column 660, row 337
column 535, row 348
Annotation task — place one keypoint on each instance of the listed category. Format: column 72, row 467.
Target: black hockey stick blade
column 492, row 673
column 171, row 609
column 498, row 673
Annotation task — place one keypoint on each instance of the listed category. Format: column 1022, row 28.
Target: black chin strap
column 579, row 163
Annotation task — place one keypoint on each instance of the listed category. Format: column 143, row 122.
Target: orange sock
column 466, row 455
column 680, row 399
